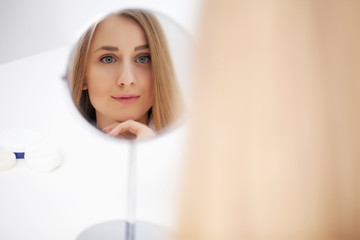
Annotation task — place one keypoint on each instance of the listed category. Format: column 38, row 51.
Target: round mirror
column 127, row 74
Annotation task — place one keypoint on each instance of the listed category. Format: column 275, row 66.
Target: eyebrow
column 108, row 48
column 145, row 46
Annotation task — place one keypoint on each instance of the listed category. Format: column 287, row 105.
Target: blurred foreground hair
column 274, row 148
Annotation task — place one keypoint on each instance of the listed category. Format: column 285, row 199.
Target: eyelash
column 143, row 55
column 102, row 59
column 113, row 59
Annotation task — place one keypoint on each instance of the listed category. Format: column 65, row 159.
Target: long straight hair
column 274, row 143
column 168, row 102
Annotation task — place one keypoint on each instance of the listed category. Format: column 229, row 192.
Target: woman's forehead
column 118, row 31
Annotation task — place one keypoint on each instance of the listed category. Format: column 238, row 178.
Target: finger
column 121, row 135
column 129, row 125
column 126, row 135
column 136, row 128
column 110, row 127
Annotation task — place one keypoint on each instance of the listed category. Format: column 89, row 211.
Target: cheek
column 98, row 80
column 149, row 86
column 145, row 81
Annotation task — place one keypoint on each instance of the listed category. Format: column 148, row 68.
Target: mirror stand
column 131, row 193
column 130, row 229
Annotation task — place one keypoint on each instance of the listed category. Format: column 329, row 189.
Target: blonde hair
column 276, row 156
column 168, row 103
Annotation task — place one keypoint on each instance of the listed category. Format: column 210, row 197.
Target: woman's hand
column 129, row 129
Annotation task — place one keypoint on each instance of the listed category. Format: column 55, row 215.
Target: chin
column 129, row 116
column 123, row 119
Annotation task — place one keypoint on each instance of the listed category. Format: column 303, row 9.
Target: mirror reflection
column 122, row 78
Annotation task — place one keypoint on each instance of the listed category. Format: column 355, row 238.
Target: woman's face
column 119, row 72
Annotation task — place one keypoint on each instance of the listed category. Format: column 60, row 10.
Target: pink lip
column 126, row 98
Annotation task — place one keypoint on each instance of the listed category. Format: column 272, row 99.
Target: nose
column 126, row 75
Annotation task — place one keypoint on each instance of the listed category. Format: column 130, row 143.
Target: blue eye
column 143, row 59
column 107, row 59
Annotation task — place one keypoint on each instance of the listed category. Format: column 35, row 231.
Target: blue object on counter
column 19, row 155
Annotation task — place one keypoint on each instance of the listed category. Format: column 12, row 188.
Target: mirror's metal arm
column 131, row 194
